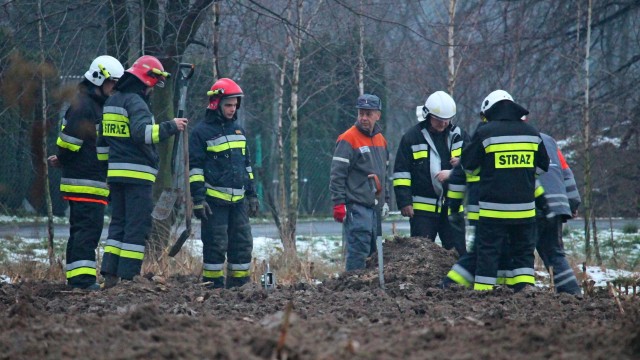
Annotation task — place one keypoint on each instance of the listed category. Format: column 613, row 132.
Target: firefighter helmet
column 149, row 70
column 102, row 68
column 493, row 98
column 221, row 89
column 439, row 104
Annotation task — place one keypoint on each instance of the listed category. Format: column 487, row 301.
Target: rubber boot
column 233, row 282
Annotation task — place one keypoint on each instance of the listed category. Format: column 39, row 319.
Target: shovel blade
column 175, row 249
column 164, row 206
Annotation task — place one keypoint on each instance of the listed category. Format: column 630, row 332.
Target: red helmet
column 149, row 70
column 223, row 88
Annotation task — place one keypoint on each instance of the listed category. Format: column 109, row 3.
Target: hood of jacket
column 506, row 111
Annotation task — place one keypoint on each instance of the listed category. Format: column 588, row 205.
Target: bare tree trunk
column 360, row 69
column 451, row 75
column 43, row 94
column 216, row 38
column 586, row 135
column 596, row 244
column 613, row 245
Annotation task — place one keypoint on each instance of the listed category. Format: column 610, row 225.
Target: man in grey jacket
column 358, row 181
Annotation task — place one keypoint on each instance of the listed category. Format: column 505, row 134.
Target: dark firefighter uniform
column 83, row 184
column 421, row 155
column 221, row 174
column 127, row 136
column 505, row 153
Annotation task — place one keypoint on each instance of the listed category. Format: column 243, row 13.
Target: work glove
column 253, row 206
column 339, row 212
column 385, row 210
column 202, row 211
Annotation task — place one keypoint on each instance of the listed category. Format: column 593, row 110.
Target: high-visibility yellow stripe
column 401, row 182
column 420, row 154
column 112, row 250
column 511, row 147
column 539, row 191
column 213, row 273
column 524, row 214
column 459, row 279
column 250, row 176
column 131, row 254
column 84, row 190
column 196, row 178
column 227, row 146
column 473, row 216
column 459, row 211
column 425, row 207
column 115, row 117
column 67, row 145
column 155, row 134
column 482, row 287
column 521, row 279
column 472, row 178
column 223, row 196
column 103, row 157
column 455, row 194
column 131, row 174
column 456, row 152
column 81, row 271
column 239, row 273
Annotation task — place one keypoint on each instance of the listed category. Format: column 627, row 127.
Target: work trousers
column 430, row 226
column 86, row 220
column 360, row 231
column 226, row 234
column 551, row 249
column 131, row 207
column 490, row 241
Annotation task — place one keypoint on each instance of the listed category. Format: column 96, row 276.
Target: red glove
column 339, row 212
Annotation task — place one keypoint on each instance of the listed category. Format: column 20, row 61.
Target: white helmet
column 104, row 67
column 493, row 98
column 439, row 104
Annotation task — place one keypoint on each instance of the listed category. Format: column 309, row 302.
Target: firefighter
column 127, row 137
column 426, row 155
column 83, row 181
column 358, row 181
column 506, row 153
column 563, row 199
column 222, row 187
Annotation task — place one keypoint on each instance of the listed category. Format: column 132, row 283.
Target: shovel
column 167, row 200
column 187, row 198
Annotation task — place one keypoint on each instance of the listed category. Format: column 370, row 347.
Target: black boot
column 236, row 281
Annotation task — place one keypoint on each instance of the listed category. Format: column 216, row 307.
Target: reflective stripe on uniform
column 426, row 204
column 564, row 277
column 239, row 270
column 456, row 149
column 131, row 251
column 402, row 179
column 69, row 142
column 196, row 174
column 521, row 276
column 84, row 186
column 103, row 153
column 456, row 191
column 250, row 172
column 507, row 211
column 129, row 170
column 472, row 178
column 227, row 194
column 341, row 159
column 227, row 142
column 511, row 143
column 213, row 270
column 152, row 134
column 81, row 267
column 460, row 275
column 420, row 151
column 484, row 283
